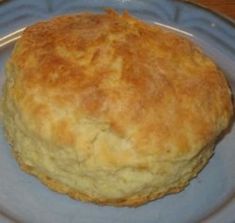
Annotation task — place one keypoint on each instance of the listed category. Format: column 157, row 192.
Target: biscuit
column 109, row 109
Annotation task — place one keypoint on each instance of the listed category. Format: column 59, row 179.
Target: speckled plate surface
column 210, row 196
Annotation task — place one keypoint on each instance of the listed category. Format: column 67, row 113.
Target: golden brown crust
column 158, row 81
column 94, row 99
column 111, row 66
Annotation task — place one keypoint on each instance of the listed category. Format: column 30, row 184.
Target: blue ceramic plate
column 210, row 196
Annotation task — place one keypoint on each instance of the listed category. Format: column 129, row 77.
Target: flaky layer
column 109, row 109
column 127, row 186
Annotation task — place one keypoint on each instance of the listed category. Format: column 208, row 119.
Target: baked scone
column 108, row 109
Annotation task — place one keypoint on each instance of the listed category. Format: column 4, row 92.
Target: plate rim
column 13, row 36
